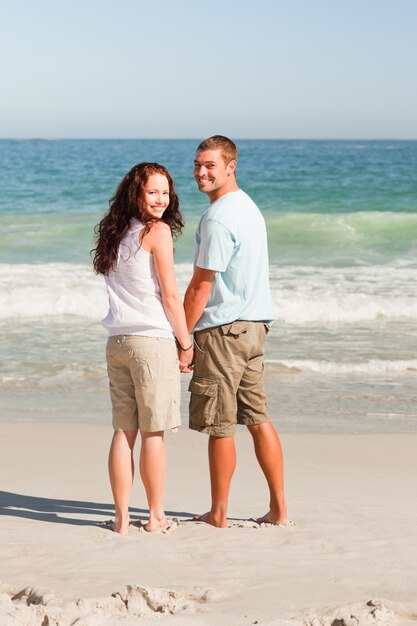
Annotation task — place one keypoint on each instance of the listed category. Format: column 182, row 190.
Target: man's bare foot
column 121, row 525
column 154, row 524
column 213, row 520
column 273, row 518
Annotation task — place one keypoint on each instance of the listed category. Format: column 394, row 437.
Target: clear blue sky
column 182, row 68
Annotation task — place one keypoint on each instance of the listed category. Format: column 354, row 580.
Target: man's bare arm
column 197, row 295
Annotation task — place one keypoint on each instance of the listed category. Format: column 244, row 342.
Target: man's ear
column 231, row 166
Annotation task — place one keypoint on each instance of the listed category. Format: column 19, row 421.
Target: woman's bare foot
column 209, row 518
column 121, row 525
column 154, row 524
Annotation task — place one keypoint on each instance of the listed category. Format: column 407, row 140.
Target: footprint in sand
column 145, row 600
column 31, row 606
column 372, row 613
column 252, row 523
column 173, row 525
column 137, row 526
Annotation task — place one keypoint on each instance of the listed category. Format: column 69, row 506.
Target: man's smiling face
column 212, row 174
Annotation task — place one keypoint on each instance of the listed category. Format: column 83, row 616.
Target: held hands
column 185, row 358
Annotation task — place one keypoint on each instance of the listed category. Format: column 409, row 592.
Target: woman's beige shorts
column 144, row 382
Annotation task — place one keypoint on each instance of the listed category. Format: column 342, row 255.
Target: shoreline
column 351, row 542
column 297, row 404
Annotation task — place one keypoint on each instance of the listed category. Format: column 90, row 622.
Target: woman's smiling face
column 155, row 195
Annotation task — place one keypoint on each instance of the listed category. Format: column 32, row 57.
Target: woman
column 135, row 254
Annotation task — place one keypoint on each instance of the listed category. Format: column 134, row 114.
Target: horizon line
column 199, row 139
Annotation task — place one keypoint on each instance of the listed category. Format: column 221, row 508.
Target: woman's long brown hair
column 127, row 204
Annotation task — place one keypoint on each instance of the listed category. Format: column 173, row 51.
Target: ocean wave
column 57, row 375
column 359, row 236
column 348, row 309
column 344, row 295
column 324, row 238
column 301, row 295
column 51, row 290
column 94, row 376
column 371, row 367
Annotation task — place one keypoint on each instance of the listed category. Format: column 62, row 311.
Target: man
column 228, row 305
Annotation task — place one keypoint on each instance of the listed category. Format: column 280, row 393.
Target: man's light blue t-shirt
column 231, row 240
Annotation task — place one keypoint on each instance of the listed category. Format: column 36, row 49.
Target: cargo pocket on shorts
column 235, row 329
column 203, row 402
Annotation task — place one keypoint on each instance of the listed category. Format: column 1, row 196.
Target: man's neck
column 215, row 195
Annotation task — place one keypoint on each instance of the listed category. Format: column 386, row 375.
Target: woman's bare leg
column 152, row 466
column 121, row 472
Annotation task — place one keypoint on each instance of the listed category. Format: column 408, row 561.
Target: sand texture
column 348, row 557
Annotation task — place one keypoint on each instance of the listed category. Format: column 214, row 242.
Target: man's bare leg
column 269, row 454
column 121, row 470
column 222, row 463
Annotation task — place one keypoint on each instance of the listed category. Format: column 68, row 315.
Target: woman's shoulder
column 160, row 227
column 158, row 235
column 158, row 230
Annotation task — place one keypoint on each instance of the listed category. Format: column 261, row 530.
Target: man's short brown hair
column 218, row 142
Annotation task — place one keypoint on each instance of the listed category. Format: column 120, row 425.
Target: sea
column 341, row 216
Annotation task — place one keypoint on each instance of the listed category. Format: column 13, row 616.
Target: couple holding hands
column 227, row 307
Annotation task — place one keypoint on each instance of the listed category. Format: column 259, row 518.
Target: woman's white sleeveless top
column 134, row 294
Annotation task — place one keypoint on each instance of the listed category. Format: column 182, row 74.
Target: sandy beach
column 348, row 557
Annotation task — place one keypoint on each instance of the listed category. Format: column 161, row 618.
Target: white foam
column 55, row 289
column 346, row 295
column 371, row 367
column 343, row 309
column 50, row 290
column 302, row 295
